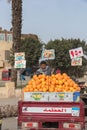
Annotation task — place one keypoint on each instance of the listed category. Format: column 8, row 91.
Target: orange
column 78, row 89
column 54, row 83
column 53, row 75
column 44, row 89
column 26, row 89
column 38, row 87
column 60, row 82
column 43, row 83
column 30, row 82
column 51, row 88
column 35, row 90
column 31, row 90
column 66, row 83
column 57, row 82
column 55, row 90
column 35, row 77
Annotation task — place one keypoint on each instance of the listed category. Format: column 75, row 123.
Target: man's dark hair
column 43, row 62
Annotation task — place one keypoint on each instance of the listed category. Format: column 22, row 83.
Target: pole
column 43, row 49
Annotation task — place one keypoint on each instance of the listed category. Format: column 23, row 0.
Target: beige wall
column 4, row 45
column 9, row 90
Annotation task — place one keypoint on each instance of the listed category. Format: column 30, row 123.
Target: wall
column 9, row 91
column 4, row 64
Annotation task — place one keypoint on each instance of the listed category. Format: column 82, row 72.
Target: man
column 22, row 74
column 44, row 69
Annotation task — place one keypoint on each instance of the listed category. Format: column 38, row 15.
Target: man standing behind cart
column 44, row 69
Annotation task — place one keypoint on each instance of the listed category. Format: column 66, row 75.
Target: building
column 5, row 46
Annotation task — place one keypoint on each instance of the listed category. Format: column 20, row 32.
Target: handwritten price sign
column 20, row 64
column 20, row 56
column 20, row 61
column 74, row 53
column 48, row 54
column 76, row 61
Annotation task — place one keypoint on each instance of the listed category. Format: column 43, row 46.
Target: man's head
column 43, row 64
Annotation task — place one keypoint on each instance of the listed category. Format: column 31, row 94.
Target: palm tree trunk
column 16, row 27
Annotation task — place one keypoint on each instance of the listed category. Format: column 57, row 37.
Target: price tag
column 75, row 111
column 77, row 52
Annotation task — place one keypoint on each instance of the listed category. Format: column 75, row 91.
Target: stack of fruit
column 54, row 83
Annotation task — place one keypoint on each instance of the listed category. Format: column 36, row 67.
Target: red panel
column 51, row 104
column 52, row 117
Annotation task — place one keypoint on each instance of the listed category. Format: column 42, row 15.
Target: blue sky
column 50, row 19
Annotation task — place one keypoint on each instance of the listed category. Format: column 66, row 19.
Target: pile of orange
column 54, row 83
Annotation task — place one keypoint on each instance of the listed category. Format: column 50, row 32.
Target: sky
column 49, row 19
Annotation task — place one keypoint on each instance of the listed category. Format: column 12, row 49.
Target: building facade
column 5, row 47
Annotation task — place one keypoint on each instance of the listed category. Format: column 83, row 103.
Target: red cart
column 51, row 115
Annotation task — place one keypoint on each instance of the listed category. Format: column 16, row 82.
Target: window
column 2, row 36
column 7, row 54
column 9, row 37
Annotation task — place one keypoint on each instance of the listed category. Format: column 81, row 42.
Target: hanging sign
column 77, row 52
column 48, row 54
column 20, row 56
column 76, row 61
column 20, row 64
column 20, row 61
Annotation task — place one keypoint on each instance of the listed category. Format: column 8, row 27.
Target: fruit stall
column 51, row 102
column 57, row 87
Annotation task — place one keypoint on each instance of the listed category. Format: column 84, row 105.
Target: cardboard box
column 52, row 96
column 35, row 96
column 64, row 96
column 61, row 96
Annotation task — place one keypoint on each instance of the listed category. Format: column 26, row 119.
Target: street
column 11, row 123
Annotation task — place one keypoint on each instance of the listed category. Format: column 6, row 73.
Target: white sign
column 48, row 54
column 77, row 52
column 76, row 61
column 20, row 64
column 74, row 111
column 20, row 61
column 20, row 56
column 47, row 110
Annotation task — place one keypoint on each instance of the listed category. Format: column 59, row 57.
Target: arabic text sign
column 76, row 61
column 20, row 56
column 20, row 64
column 48, row 54
column 46, row 110
column 74, row 111
column 78, row 52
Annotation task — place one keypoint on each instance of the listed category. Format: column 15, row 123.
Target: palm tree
column 16, row 28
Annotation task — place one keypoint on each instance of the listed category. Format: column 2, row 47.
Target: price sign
column 48, row 54
column 20, row 56
column 76, row 61
column 74, row 53
column 20, row 64
column 20, row 61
